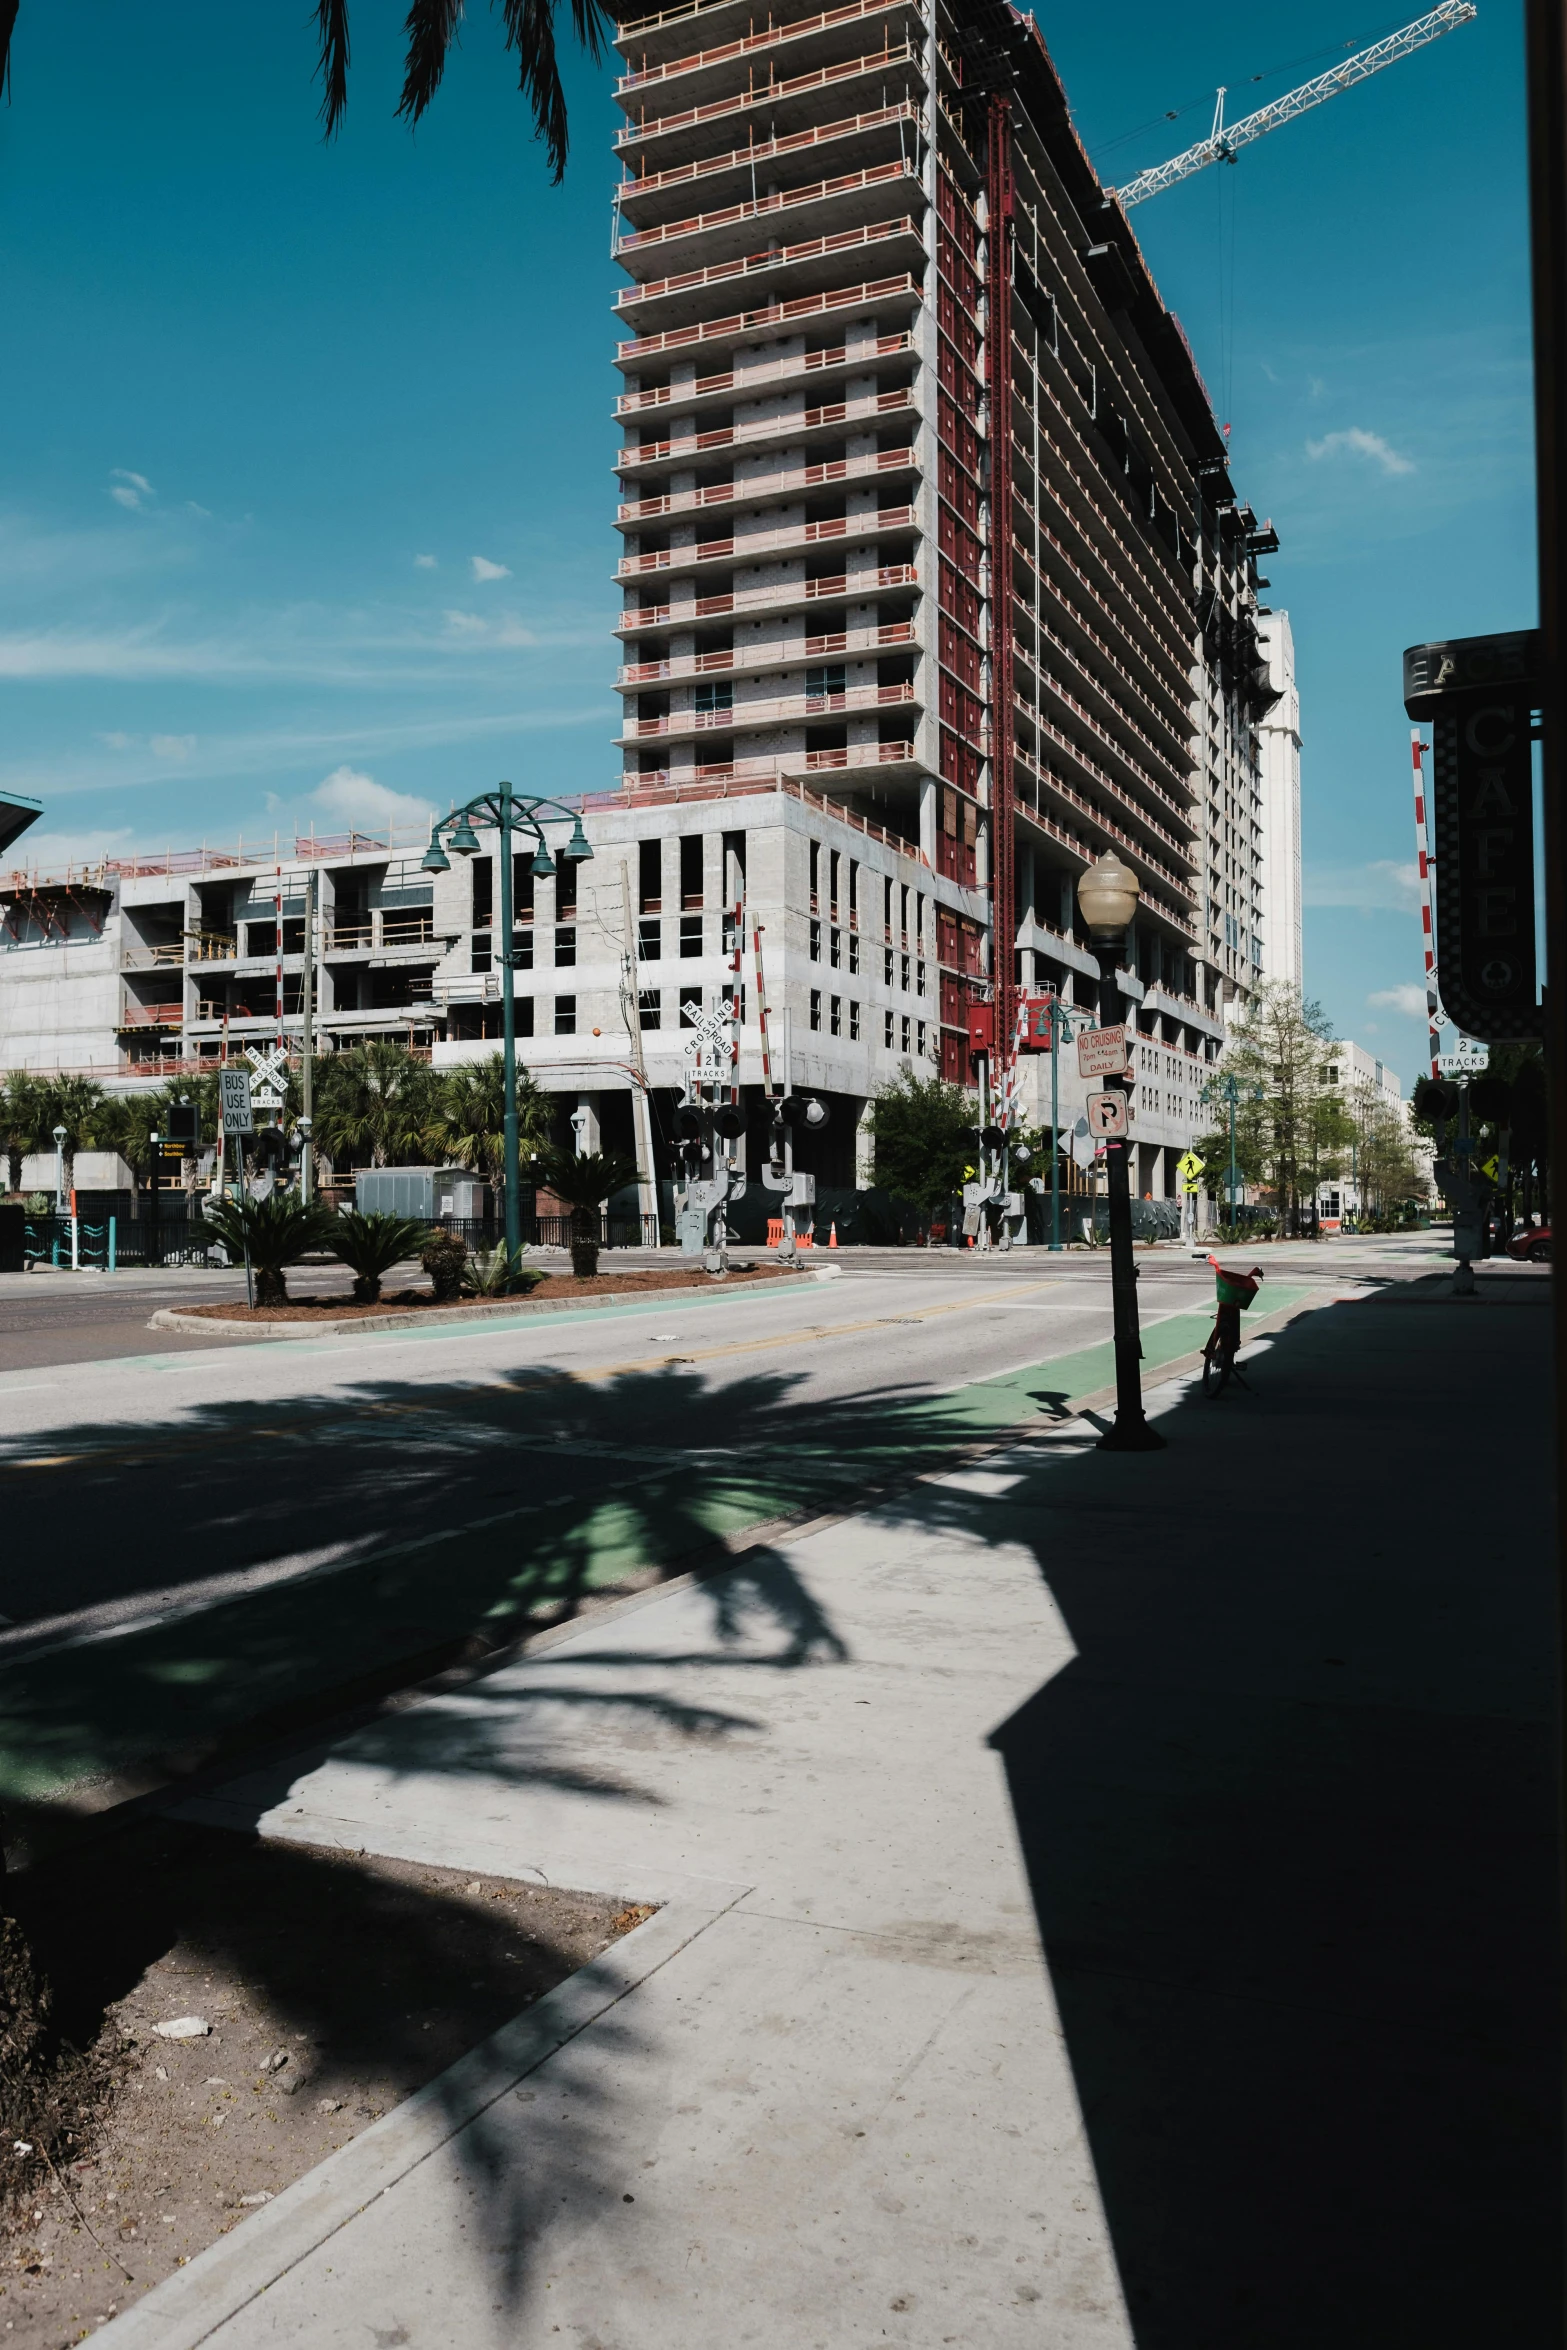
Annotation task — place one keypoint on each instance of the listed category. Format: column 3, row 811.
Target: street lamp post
column 1230, row 1090
column 59, row 1170
column 509, row 812
column 1108, row 894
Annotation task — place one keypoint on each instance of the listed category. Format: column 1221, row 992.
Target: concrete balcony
column 1130, row 808
column 768, row 321
column 881, row 135
column 781, row 596
column 865, row 761
column 815, row 368
column 161, row 958
column 786, row 710
column 810, row 266
column 834, row 418
column 1171, row 756
column 1062, row 717
column 668, row 32
column 851, row 200
column 805, row 101
column 1163, row 893
column 827, row 37
column 814, row 266
column 757, row 546
column 853, row 642
column 134, row 1015
column 876, row 466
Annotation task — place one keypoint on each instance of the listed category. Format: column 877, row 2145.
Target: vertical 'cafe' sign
column 1478, row 694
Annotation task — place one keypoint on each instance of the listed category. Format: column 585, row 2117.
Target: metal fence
column 553, row 1231
column 74, row 1242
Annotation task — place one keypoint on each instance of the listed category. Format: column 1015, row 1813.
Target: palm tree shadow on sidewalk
column 1289, row 1823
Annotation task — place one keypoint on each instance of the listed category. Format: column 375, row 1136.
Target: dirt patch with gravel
column 331, row 1985
column 554, row 1289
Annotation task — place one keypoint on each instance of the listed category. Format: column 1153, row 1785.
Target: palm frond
column 332, row 25
column 430, row 28
column 8, row 9
column 530, row 30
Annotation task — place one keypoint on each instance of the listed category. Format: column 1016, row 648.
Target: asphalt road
column 203, row 1534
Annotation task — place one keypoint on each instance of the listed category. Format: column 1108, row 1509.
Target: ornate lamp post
column 509, row 812
column 1108, row 893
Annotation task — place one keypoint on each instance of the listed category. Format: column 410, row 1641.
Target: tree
column 276, row 1231
column 585, row 1183
column 77, row 1104
column 1384, row 1164
column 1286, row 1116
column 374, row 1102
column 468, row 1125
column 921, row 1127
column 431, row 27
column 371, row 1245
column 22, row 1124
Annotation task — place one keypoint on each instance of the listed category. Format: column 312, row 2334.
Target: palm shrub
column 276, row 1232
column 584, row 1184
column 371, row 1245
column 496, row 1272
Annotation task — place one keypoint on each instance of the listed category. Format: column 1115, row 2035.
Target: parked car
column 1533, row 1243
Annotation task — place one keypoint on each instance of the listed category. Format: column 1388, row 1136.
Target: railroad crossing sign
column 270, row 1063
column 1469, row 1057
column 1106, row 1113
column 1101, row 1052
column 1190, row 1168
column 711, row 1048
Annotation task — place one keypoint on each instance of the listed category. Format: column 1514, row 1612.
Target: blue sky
column 304, row 451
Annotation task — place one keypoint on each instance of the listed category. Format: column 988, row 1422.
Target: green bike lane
column 90, row 1716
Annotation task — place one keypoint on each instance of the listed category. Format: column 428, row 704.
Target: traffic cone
column 832, row 1233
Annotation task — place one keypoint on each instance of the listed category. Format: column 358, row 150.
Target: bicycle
column 1236, row 1291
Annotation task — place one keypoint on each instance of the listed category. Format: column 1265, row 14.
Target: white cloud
column 355, row 800
column 483, row 569
column 1356, row 442
column 172, row 746
column 203, row 512
column 1383, row 887
column 130, row 490
column 465, row 623
column 116, row 742
column 1408, row 999
column 425, row 563
column 507, row 632
column 48, row 851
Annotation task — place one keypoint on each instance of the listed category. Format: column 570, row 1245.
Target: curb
column 208, row 1325
column 190, row 2306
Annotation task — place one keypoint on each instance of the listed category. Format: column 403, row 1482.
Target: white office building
column 1278, row 758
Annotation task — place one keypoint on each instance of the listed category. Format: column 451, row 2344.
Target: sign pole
column 1055, row 1126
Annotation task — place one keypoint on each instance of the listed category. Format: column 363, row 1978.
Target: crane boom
column 1221, row 145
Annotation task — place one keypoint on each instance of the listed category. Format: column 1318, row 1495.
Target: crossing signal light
column 802, row 1109
column 688, row 1123
column 729, row 1121
column 1435, row 1098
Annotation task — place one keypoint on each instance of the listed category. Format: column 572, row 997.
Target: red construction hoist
column 998, row 376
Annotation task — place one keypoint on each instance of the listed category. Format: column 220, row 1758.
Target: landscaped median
column 551, row 1294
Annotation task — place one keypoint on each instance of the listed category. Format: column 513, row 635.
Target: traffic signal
column 182, row 1124
column 269, row 1147
column 729, row 1121
column 1491, row 1100
column 687, row 1122
column 1435, row 1098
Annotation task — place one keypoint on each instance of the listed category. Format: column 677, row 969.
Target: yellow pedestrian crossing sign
column 1190, row 1170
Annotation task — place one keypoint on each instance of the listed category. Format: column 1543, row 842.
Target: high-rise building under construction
column 925, row 504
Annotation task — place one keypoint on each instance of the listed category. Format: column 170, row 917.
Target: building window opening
column 565, row 1015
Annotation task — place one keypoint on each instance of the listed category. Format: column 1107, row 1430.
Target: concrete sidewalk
column 1105, row 1899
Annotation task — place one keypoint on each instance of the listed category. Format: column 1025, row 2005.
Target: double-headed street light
column 509, row 812
column 1108, row 894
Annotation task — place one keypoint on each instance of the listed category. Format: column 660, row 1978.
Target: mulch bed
column 334, row 1985
column 555, row 1289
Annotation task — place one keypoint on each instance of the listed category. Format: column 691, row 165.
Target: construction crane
column 1222, row 146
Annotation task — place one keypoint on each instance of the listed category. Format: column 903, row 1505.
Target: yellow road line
column 585, row 1377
